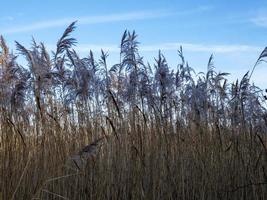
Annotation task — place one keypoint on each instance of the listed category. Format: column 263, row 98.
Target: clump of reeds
column 75, row 128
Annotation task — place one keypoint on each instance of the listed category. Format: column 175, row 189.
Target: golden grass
column 140, row 164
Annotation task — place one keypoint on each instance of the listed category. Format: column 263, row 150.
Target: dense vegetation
column 154, row 132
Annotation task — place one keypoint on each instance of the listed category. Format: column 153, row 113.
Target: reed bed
column 75, row 128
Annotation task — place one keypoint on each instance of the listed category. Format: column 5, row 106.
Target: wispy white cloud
column 129, row 16
column 190, row 47
column 201, row 47
column 7, row 18
column 138, row 15
column 199, row 9
column 260, row 21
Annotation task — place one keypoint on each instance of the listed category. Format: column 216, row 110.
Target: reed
column 75, row 128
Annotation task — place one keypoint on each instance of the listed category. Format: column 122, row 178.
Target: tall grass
column 75, row 128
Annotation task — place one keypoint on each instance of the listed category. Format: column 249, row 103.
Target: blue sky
column 234, row 31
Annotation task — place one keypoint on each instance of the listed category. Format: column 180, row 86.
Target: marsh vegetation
column 154, row 131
